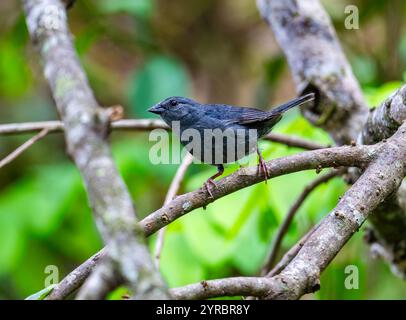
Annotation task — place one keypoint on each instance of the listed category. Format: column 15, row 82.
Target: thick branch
column 292, row 252
column 302, row 275
column 283, row 229
column 305, row 33
column 245, row 177
column 227, row 287
column 86, row 127
column 380, row 180
column 389, row 219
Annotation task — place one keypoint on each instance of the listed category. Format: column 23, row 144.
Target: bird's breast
column 218, row 145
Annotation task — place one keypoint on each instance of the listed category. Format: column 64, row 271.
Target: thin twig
column 288, row 257
column 23, row 147
column 145, row 125
column 172, row 191
column 291, row 213
column 57, row 126
column 292, row 141
column 76, row 278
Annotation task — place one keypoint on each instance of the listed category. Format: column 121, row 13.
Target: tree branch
column 245, row 177
column 86, row 128
column 305, row 33
column 302, row 275
column 346, row 156
column 227, row 287
column 283, row 229
column 23, row 147
column 292, row 141
column 288, row 256
column 76, row 278
column 145, row 125
column 389, row 219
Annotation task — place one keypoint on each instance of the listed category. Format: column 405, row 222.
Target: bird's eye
column 173, row 103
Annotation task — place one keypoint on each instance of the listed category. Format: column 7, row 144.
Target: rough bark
column 86, row 127
column 305, row 33
column 301, row 275
column 245, row 177
column 75, row 279
column 388, row 235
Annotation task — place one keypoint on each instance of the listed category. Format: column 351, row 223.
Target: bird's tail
column 293, row 103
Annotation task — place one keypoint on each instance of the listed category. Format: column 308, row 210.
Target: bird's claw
column 208, row 188
column 262, row 168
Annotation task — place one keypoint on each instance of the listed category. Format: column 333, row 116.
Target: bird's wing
column 238, row 115
column 253, row 115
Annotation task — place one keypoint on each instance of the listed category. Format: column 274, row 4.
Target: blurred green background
column 137, row 52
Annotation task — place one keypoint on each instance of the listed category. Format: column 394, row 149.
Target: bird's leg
column 210, row 181
column 262, row 165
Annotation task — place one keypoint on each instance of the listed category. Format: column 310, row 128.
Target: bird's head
column 176, row 109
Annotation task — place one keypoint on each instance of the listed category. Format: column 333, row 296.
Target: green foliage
column 376, row 95
column 42, row 294
column 146, row 52
column 138, row 8
column 160, row 77
column 365, row 69
column 233, row 235
column 15, row 75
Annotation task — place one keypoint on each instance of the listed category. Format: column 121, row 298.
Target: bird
column 217, row 134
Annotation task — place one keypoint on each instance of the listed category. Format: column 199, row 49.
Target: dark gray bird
column 217, row 133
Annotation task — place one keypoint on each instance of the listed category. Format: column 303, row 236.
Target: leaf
column 159, row 78
column 41, row 295
column 139, row 8
column 376, row 95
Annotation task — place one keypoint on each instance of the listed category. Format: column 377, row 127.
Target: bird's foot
column 262, row 168
column 208, row 187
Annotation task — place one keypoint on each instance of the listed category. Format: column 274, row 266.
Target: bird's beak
column 157, row 109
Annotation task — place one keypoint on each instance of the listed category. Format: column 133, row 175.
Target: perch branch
column 301, row 275
column 245, row 177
